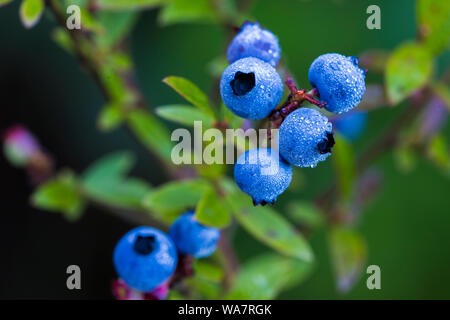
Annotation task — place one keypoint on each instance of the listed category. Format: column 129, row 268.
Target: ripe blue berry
column 339, row 81
column 351, row 125
column 144, row 258
column 191, row 237
column 251, row 88
column 262, row 174
column 305, row 138
column 252, row 41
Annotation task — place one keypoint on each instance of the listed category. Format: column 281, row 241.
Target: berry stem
column 293, row 102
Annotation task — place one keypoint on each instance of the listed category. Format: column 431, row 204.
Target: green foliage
column 405, row 158
column 439, row 153
column 305, row 214
column 4, row 2
column 151, row 132
column 185, row 115
column 268, row 226
column 62, row 38
column 105, row 181
column 30, row 12
column 111, row 116
column 128, row 4
column 190, row 92
column 206, row 281
column 409, row 68
column 443, row 91
column 345, row 168
column 433, row 17
column 348, row 253
column 264, row 277
column 61, row 194
column 116, row 25
column 177, row 11
column 173, row 198
column 211, row 211
column 208, row 271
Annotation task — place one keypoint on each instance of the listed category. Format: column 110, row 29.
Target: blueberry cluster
column 251, row 88
column 146, row 258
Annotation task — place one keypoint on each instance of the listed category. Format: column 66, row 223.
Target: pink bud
column 19, row 145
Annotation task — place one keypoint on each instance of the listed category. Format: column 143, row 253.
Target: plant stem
column 84, row 50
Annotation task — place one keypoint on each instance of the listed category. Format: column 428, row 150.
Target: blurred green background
column 407, row 226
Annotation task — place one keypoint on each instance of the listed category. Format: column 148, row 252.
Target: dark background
column 41, row 86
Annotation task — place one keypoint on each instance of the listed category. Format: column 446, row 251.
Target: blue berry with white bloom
column 192, row 238
column 339, row 81
column 305, row 138
column 251, row 88
column 253, row 41
column 145, row 258
column 351, row 125
column 262, row 174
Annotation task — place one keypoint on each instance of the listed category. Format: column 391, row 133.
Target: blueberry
column 251, row 88
column 305, row 138
column 339, row 81
column 253, row 41
column 191, row 237
column 262, row 174
column 145, row 258
column 351, row 125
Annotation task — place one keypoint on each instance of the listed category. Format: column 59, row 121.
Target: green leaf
column 4, row 2
column 434, row 23
column 203, row 288
column 268, row 226
column 117, row 25
column 210, row 210
column 409, row 68
column 405, row 158
column 345, row 167
column 60, row 195
column 439, row 153
column 110, row 117
column 179, row 11
column 190, row 92
column 62, row 38
column 128, row 4
column 306, row 214
column 106, row 181
column 151, row 132
column 348, row 253
column 185, row 115
column 208, row 271
column 264, row 277
column 173, row 198
column 30, row 12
